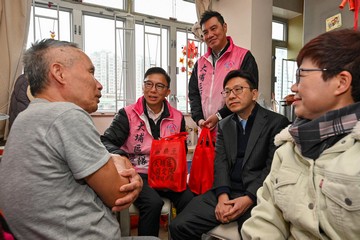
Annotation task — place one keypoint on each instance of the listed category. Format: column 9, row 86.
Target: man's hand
column 238, row 207
column 221, row 208
column 133, row 188
column 289, row 99
column 211, row 122
column 201, row 123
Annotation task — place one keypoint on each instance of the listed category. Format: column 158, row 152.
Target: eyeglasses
column 158, row 86
column 236, row 90
column 299, row 70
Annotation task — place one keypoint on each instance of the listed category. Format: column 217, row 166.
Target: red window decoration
column 190, row 53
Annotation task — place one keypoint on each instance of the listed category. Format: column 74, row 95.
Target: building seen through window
column 284, row 68
column 123, row 45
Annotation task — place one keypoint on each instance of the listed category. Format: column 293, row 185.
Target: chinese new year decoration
column 353, row 6
column 190, row 53
column 52, row 33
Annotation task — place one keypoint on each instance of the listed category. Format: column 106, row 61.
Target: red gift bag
column 202, row 166
column 167, row 164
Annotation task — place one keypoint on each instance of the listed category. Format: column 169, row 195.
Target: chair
column 124, row 216
column 227, row 231
column 5, row 232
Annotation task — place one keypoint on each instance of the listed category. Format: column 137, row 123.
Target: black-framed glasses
column 299, row 70
column 236, row 90
column 158, row 86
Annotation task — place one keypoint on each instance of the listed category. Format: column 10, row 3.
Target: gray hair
column 36, row 62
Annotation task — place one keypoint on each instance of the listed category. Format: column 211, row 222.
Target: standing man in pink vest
column 131, row 134
column 205, row 85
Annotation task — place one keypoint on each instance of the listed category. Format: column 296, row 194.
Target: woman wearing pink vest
column 131, row 134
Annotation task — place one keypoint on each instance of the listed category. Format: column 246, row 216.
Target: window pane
column 178, row 9
column 188, row 51
column 278, row 31
column 119, row 57
column 46, row 24
column 107, row 3
column 147, row 7
column 185, row 11
column 285, row 74
column 99, row 44
column 125, row 54
column 152, row 44
column 280, row 54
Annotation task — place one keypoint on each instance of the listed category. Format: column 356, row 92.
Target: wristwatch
column 218, row 116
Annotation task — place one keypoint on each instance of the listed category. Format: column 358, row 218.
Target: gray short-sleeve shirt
column 52, row 146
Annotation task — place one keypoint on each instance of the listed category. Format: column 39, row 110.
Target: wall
column 316, row 13
column 249, row 24
column 295, row 36
column 102, row 121
column 291, row 5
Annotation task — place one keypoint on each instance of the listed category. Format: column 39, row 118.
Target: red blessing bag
column 202, row 166
column 167, row 164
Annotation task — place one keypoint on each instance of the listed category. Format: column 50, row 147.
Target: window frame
column 282, row 45
column 130, row 18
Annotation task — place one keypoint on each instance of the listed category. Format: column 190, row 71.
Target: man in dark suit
column 244, row 151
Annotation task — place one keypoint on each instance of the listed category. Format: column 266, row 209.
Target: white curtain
column 201, row 7
column 14, row 26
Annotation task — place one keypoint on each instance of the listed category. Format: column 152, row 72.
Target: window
column 107, row 3
column 285, row 74
column 122, row 45
column 170, row 9
column 284, row 69
column 188, row 52
column 278, row 31
column 152, row 44
column 108, row 58
column 49, row 21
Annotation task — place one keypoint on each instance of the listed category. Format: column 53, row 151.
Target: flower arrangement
column 190, row 53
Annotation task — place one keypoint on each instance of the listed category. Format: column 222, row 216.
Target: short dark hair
column 243, row 74
column 209, row 14
column 159, row 70
column 337, row 50
column 36, row 62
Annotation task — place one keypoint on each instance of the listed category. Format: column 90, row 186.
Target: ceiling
column 284, row 13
